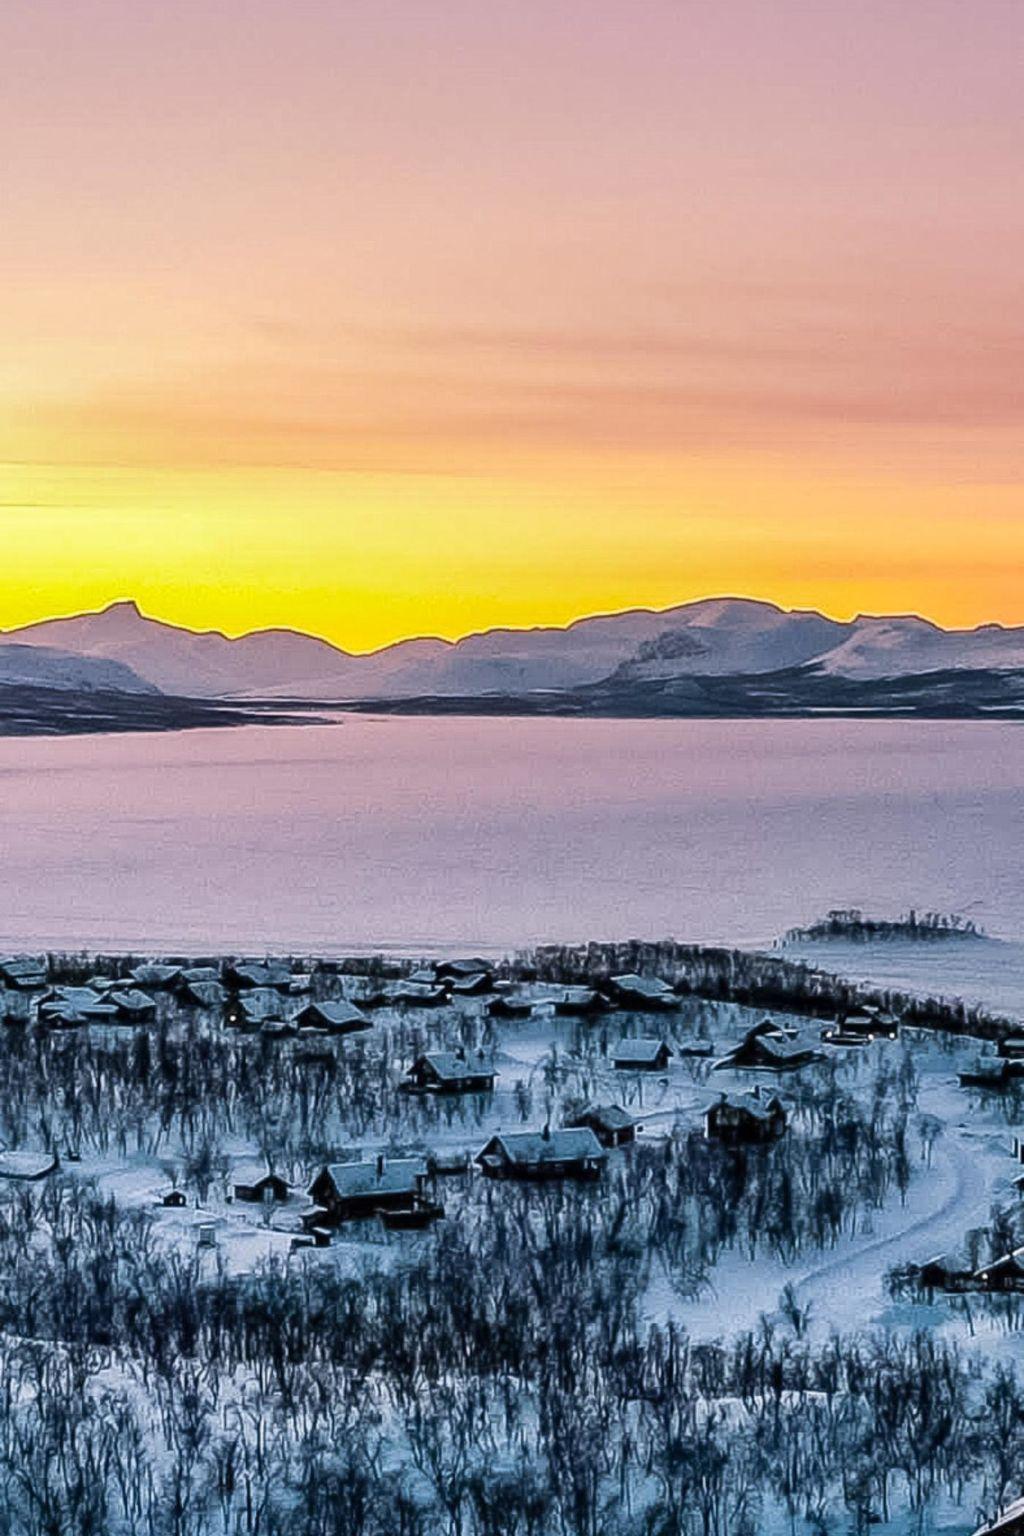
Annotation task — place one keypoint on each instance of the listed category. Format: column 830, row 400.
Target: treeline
column 757, row 980
column 849, row 923
column 500, row 1381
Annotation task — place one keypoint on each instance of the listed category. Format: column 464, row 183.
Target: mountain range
column 119, row 649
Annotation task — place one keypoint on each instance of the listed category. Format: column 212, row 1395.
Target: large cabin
column 745, row 1119
column 768, row 1050
column 348, row 1191
column 572, row 1153
column 449, row 1072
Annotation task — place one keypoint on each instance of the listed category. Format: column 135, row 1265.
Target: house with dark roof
column 768, row 1050
column 449, row 1072
column 611, row 1124
column 346, row 1191
column 745, row 1119
column 570, row 1153
column 252, row 1009
column 337, row 1018
column 642, row 993
column 254, row 1183
column 641, row 1055
column 1003, row 1274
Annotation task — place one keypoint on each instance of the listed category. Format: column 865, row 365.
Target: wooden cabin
column 23, row 973
column 132, row 1006
column 254, row 1183
column 641, row 1055
column 348, row 1191
column 448, row 1072
column 611, row 1124
column 765, row 1049
column 246, row 976
column 250, row 1010
column 174, row 1199
column 642, row 993
column 465, row 969
column 336, row 1018
column 745, row 1119
column 571, row 1153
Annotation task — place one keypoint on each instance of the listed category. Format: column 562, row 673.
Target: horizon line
column 10, row 635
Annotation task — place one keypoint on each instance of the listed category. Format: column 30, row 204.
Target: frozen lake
column 427, row 834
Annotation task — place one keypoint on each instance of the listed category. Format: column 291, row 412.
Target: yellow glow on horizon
column 363, row 560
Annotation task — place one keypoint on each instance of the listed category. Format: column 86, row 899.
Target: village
column 348, row 1123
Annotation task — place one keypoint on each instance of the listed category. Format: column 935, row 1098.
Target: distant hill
column 641, row 651
column 36, row 666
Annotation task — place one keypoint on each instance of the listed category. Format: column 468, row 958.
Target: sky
column 385, row 317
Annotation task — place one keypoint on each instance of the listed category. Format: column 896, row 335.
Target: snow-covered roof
column 338, row 1015
column 131, row 1001
column 393, row 1176
column 759, row 1106
column 153, row 975
column 260, row 1003
column 610, row 1117
column 643, row 986
column 208, row 994
column 639, row 1050
column 251, row 1173
column 450, row 1067
column 569, row 1145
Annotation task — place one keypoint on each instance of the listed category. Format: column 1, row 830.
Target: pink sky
column 685, row 250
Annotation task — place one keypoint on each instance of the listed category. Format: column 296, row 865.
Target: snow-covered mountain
column 713, row 638
column 36, row 666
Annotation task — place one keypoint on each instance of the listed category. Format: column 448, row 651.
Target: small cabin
column 250, row 1010
column 611, row 1124
column 449, row 1072
column 254, row 1183
column 641, row 1055
column 337, row 1018
column 132, row 1006
column 174, row 1199
column 464, row 969
column 155, row 977
column 745, row 1119
column 642, row 993
column 22, row 973
column 571, row 1153
column 471, row 986
column 206, row 1234
column 348, row 1191
column 247, row 976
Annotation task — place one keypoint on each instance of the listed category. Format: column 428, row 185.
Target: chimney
column 380, row 1165
column 546, row 1132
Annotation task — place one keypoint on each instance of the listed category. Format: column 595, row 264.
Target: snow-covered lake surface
column 430, row 834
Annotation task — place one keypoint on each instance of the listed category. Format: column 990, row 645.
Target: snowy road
column 963, row 1191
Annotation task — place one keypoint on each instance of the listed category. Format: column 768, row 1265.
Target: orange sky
column 386, row 317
